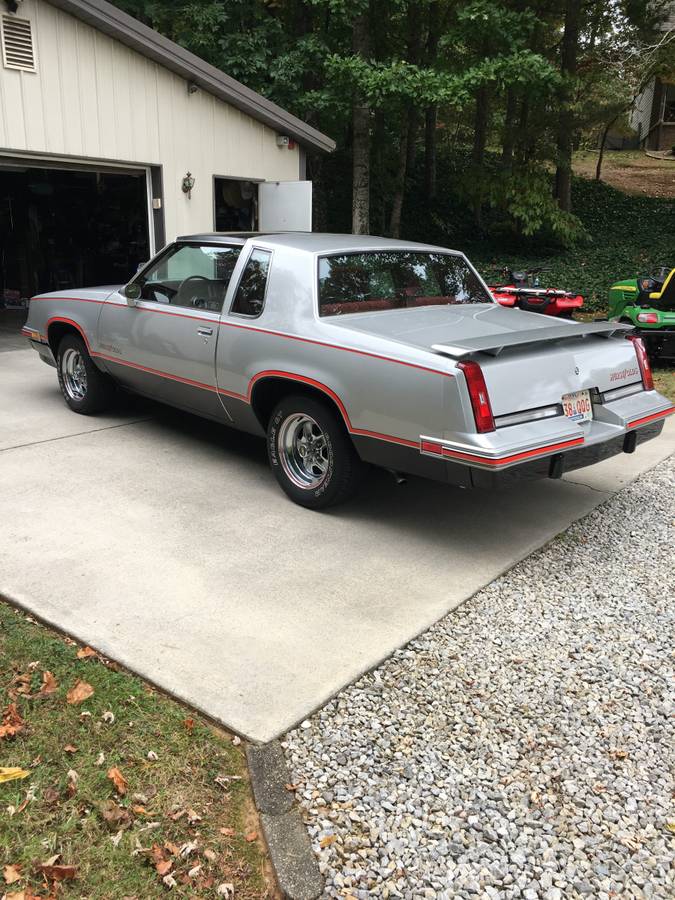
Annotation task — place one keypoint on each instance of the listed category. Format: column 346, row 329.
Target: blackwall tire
column 311, row 453
column 85, row 388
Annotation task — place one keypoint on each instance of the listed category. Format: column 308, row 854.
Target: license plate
column 577, row 406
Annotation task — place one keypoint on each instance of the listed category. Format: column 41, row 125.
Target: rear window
column 385, row 279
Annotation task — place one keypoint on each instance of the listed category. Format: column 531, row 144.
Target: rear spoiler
column 495, row 343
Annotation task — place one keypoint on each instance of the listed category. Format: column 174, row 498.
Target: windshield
column 395, row 279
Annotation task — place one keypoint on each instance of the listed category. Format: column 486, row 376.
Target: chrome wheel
column 303, row 451
column 74, row 374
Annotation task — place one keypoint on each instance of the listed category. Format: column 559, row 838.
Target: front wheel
column 85, row 389
column 311, row 453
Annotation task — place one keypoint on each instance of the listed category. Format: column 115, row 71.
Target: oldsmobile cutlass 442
column 345, row 350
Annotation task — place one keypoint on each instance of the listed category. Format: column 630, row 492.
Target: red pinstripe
column 658, row 415
column 515, row 457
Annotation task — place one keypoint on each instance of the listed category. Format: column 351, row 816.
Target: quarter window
column 250, row 298
column 193, row 275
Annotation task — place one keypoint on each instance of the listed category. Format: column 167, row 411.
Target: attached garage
column 114, row 140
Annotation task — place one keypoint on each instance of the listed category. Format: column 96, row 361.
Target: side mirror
column 132, row 292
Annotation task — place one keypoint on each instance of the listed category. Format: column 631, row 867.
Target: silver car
column 346, row 350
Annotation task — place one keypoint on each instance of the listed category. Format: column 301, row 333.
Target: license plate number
column 577, row 406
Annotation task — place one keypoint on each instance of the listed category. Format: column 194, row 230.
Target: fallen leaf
column 49, row 686
column 70, row 748
column 172, row 848
column 193, row 817
column 57, row 873
column 251, row 836
column 225, row 890
column 189, row 724
column 140, row 810
column 187, row 849
column 100, row 759
column 12, row 722
column 118, row 780
column 194, row 871
column 152, row 756
column 114, row 815
column 12, row 773
column 12, row 873
column 227, row 831
column 116, row 838
column 51, row 795
column 327, row 841
column 85, row 653
column 210, row 855
column 163, row 867
column 236, row 740
column 175, row 816
column 169, row 881
column 79, row 692
column 20, row 684
column 618, row 754
column 670, row 825
column 108, row 717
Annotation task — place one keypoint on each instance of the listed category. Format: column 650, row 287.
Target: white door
column 285, row 206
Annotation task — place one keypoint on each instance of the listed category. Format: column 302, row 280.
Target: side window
column 250, row 297
column 193, row 275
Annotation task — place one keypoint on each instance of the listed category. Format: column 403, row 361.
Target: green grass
column 664, row 382
column 172, row 800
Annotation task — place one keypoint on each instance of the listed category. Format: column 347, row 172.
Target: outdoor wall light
column 187, row 184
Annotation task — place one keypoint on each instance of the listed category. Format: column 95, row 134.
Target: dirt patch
column 632, row 172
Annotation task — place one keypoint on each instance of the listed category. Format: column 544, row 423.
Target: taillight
column 480, row 401
column 648, row 318
column 643, row 362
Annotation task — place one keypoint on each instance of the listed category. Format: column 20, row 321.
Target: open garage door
column 67, row 227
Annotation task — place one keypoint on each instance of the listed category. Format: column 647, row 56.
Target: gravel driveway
column 523, row 746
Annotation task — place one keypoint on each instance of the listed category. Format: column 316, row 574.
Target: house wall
column 640, row 115
column 94, row 98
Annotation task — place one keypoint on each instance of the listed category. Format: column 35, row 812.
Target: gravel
column 523, row 746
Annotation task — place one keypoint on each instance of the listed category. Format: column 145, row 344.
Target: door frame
column 228, row 178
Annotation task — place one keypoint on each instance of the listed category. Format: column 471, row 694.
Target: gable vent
column 17, row 44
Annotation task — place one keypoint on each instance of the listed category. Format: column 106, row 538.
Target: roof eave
column 124, row 28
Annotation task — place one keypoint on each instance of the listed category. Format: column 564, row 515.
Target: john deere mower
column 648, row 303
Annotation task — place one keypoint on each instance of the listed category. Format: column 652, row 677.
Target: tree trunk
column 509, row 135
column 601, row 154
column 430, row 153
column 480, row 125
column 406, row 159
column 431, row 113
column 568, row 68
column 361, row 137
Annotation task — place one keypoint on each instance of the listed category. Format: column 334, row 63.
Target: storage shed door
column 285, row 206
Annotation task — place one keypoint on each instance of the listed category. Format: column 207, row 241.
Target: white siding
column 92, row 97
column 641, row 112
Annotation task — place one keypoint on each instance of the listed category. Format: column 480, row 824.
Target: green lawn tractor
column 648, row 303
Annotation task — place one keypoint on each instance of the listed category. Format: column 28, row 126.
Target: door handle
column 205, row 331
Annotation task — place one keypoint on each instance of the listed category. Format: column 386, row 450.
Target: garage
column 114, row 140
column 66, row 226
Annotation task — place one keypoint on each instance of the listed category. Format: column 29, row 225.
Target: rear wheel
column 311, row 453
column 85, row 389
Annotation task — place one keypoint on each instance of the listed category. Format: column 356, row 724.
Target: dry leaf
column 225, row 890
column 20, row 684
column 79, row 692
column 118, row 780
column 164, row 866
column 227, row 831
column 194, row 871
column 12, row 873
column 114, row 815
column 85, row 653
column 172, row 848
column 251, row 836
column 193, row 817
column 670, row 825
column 51, row 795
column 139, row 810
column 152, row 756
column 327, row 841
column 12, row 723
column 100, row 759
column 189, row 724
column 49, row 686
column 169, row 881
column 57, row 873
column 210, row 855
column 70, row 748
column 12, row 773
column 108, row 717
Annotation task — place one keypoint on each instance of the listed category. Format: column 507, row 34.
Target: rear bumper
column 543, row 449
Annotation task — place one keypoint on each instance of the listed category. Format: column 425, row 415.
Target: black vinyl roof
column 124, row 28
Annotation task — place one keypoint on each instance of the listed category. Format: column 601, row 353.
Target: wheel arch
column 58, row 327
column 267, row 389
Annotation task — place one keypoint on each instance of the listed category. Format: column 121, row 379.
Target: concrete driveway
column 163, row 541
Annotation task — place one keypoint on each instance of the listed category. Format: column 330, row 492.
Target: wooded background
column 454, row 119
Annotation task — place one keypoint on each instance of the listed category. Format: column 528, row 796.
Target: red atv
column 525, row 292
